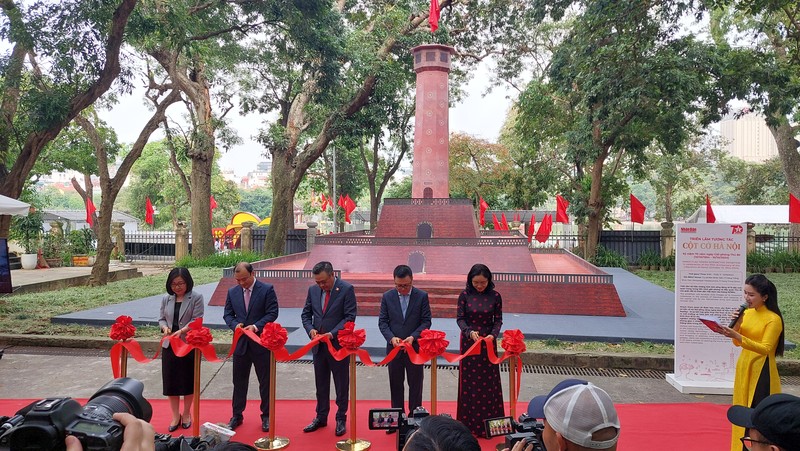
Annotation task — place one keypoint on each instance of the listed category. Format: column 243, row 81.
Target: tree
column 629, row 78
column 478, row 168
column 80, row 42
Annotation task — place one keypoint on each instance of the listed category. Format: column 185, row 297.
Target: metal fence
column 151, row 246
column 771, row 244
column 629, row 243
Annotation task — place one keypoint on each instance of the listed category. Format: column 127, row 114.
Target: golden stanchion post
column 434, row 365
column 353, row 443
column 123, row 363
column 272, row 442
column 196, row 395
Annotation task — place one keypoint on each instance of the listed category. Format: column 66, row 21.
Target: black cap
column 777, row 418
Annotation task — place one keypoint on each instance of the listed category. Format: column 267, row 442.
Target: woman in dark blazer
column 179, row 307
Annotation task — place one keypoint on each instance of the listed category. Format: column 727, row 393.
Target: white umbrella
column 9, row 206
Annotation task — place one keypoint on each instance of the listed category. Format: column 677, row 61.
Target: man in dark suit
column 329, row 305
column 405, row 313
column 250, row 305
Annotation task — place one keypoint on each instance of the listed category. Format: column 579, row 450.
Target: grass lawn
column 31, row 313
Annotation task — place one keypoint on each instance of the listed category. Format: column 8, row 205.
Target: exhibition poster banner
column 710, row 265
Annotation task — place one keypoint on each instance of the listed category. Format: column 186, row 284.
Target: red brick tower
column 431, row 169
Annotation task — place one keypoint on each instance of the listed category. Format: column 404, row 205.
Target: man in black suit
column 329, row 305
column 250, row 305
column 405, row 313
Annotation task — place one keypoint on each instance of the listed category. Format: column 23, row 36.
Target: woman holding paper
column 759, row 332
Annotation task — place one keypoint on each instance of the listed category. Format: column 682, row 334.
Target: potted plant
column 53, row 249
column 81, row 246
column 27, row 231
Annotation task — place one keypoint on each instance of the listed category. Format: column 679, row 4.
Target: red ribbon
column 350, row 338
column 134, row 349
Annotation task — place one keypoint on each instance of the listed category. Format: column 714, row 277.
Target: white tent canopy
column 9, row 206
column 736, row 214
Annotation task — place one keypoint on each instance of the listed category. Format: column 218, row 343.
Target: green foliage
column 220, row 260
column 608, row 258
column 257, row 201
column 81, row 242
column 27, row 230
column 400, row 189
column 649, row 258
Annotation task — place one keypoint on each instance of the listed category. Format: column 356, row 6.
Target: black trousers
column 241, row 380
column 399, row 369
column 326, row 366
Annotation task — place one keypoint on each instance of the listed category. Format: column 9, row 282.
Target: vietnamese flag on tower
column 148, row 212
column 637, row 210
column 710, row 218
column 433, row 15
column 561, row 210
column 483, row 206
column 90, row 211
column 794, row 209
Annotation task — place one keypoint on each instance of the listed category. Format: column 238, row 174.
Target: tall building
column 748, row 138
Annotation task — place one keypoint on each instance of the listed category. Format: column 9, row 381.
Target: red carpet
column 651, row 427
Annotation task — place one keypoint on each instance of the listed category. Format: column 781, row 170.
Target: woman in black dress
column 479, row 314
column 179, row 307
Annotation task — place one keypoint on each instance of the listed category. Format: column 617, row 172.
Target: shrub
column 220, row 260
column 649, row 258
column 609, row 258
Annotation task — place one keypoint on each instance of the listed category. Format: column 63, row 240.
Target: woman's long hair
column 479, row 269
column 765, row 287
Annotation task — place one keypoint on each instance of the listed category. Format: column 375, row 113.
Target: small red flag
column 433, row 15
column 794, row 209
column 561, row 210
column 530, row 227
column 349, row 207
column 495, row 223
column 324, row 202
column 503, row 221
column 213, row 204
column 483, row 206
column 637, row 210
column 90, row 211
column 148, row 212
column 340, row 202
column 544, row 229
column 710, row 218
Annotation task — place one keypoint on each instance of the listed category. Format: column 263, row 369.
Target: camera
column 528, row 430
column 395, row 419
column 43, row 425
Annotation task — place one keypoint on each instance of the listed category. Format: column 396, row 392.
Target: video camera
column 43, row 425
column 528, row 430
column 395, row 419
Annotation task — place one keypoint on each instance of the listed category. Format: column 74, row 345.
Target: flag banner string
column 512, row 343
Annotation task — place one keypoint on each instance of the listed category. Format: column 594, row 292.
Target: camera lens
column 120, row 395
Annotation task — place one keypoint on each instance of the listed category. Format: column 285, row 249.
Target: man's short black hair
column 403, row 271
column 323, row 266
column 447, row 434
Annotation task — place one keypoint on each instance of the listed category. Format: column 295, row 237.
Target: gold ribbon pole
column 123, row 363
column 272, row 442
column 196, row 395
column 353, row 443
column 434, row 365
column 512, row 386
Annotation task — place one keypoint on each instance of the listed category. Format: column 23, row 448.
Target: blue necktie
column 404, row 304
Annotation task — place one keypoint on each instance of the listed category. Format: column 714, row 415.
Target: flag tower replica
column 438, row 236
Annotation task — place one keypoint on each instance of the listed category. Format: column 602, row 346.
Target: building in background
column 748, row 138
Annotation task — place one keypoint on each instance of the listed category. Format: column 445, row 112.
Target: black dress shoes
column 235, row 422
column 265, row 425
column 340, row 428
column 315, row 424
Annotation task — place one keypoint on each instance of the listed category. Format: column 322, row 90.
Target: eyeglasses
column 178, row 284
column 403, row 286
column 748, row 442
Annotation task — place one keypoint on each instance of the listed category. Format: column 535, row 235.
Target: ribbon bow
column 123, row 329
column 350, row 338
column 432, row 343
column 513, row 342
column 274, row 336
column 198, row 336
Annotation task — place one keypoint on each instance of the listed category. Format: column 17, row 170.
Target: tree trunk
column 202, row 241
column 784, row 135
column 595, row 221
column 283, row 188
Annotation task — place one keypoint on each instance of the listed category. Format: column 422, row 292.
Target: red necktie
column 327, row 298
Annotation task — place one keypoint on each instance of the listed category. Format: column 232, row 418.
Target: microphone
column 738, row 315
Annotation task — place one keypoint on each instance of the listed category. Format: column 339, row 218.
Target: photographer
column 441, row 433
column 578, row 415
column 139, row 435
column 773, row 425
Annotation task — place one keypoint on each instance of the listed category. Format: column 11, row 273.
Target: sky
column 477, row 115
